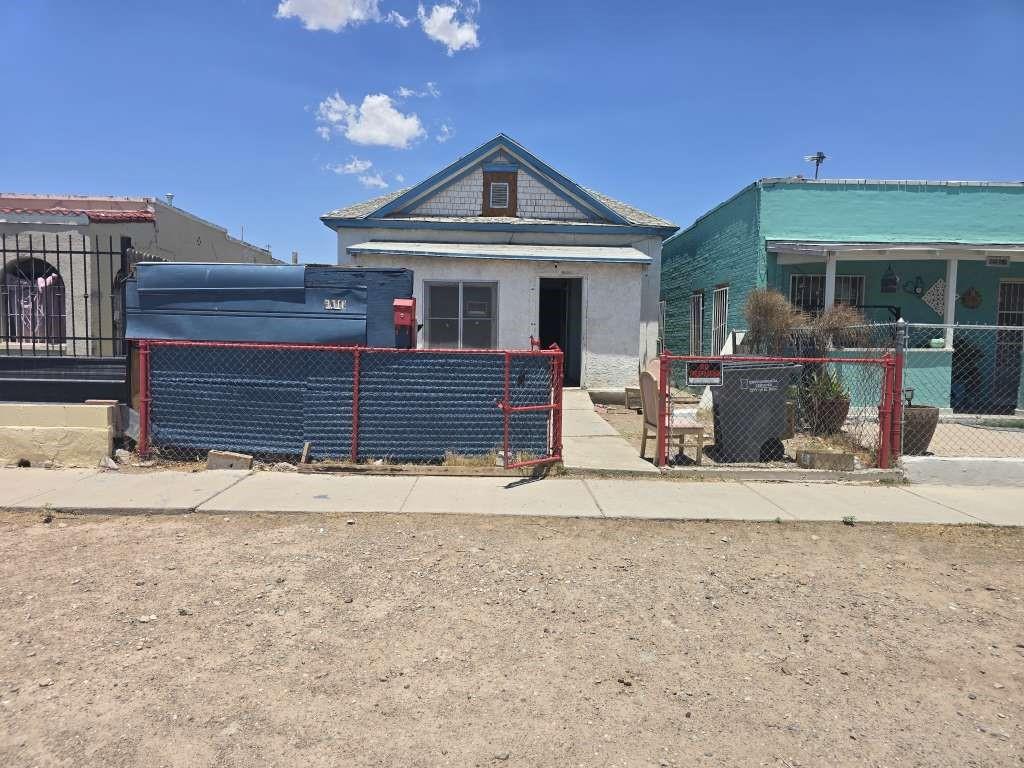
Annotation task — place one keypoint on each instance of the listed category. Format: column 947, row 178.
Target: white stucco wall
column 620, row 301
column 179, row 236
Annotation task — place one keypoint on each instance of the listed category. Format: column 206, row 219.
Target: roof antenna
column 817, row 158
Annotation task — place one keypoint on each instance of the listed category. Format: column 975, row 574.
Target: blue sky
column 267, row 113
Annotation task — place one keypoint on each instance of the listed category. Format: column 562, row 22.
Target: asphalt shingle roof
column 630, row 213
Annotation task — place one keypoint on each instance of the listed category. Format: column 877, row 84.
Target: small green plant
column 849, row 520
column 825, row 386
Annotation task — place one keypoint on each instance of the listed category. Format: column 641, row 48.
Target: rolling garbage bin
column 750, row 412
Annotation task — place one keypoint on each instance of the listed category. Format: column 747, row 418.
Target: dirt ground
column 394, row 640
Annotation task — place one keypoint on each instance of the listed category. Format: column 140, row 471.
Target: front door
column 1006, row 378
column 560, row 322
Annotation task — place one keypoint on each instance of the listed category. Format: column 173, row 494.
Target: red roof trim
column 100, row 216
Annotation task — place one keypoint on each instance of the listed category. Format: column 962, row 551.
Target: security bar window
column 499, row 194
column 462, row 315
column 719, row 319
column 697, row 324
column 807, row 292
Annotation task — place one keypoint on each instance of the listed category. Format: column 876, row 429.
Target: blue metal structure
column 264, row 303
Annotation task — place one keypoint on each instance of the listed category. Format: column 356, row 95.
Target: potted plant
column 919, row 424
column 825, row 403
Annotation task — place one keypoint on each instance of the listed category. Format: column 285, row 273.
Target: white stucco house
column 504, row 247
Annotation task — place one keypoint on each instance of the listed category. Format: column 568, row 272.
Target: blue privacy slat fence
column 411, row 405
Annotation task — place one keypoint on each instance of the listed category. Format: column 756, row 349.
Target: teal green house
column 931, row 252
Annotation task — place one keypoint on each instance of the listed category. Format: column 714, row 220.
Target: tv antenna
column 817, row 158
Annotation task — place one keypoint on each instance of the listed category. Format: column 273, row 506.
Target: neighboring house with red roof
column 503, row 247
column 63, row 259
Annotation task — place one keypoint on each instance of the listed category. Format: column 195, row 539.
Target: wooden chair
column 682, row 426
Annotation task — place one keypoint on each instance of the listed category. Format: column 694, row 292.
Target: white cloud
column 375, row 122
column 444, row 133
column 394, row 17
column 333, row 15
column 353, row 166
column 374, row 181
column 444, row 25
column 429, row 89
column 399, row 178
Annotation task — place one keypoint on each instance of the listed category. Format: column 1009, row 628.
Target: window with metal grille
column 696, row 324
column 33, row 303
column 807, row 292
column 719, row 319
column 462, row 315
column 499, row 194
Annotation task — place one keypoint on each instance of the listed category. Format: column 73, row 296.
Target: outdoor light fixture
column 890, row 281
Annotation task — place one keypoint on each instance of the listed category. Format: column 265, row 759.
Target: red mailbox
column 405, row 319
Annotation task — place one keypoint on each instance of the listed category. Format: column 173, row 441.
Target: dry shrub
column 771, row 321
column 841, row 326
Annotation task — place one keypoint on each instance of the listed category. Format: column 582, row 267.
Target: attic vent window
column 499, row 195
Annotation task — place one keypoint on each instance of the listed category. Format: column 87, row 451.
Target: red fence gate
column 862, row 395
column 519, row 411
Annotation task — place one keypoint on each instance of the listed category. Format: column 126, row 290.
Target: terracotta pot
column 919, row 423
column 827, row 416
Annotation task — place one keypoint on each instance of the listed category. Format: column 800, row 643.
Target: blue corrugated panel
column 412, row 407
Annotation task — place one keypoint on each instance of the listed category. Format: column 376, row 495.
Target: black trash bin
column 750, row 410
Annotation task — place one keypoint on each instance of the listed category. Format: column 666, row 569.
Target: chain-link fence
column 768, row 409
column 963, row 390
column 280, row 401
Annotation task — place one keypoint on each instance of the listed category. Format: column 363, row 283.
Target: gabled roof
column 398, row 206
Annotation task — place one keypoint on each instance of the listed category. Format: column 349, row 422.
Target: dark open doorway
column 561, row 315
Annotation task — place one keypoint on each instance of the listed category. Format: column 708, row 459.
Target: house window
column 807, row 292
column 499, row 194
column 719, row 319
column 32, row 303
column 697, row 323
column 462, row 315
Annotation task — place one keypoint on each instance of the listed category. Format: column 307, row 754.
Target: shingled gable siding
column 722, row 248
column 463, row 198
column 536, row 201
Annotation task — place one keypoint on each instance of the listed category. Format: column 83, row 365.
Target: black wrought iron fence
column 61, row 316
column 62, row 294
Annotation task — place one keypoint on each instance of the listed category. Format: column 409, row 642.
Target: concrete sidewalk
column 95, row 491
column 591, row 443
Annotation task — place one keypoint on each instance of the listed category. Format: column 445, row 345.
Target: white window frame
column 505, row 185
column 793, row 278
column 719, row 319
column 427, row 310
column 697, row 323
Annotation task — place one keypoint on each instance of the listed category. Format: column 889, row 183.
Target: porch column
column 830, row 279
column 949, row 316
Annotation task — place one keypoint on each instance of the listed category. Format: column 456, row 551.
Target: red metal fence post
column 143, row 443
column 355, row 405
column 885, row 409
column 505, row 405
column 559, row 361
column 665, row 368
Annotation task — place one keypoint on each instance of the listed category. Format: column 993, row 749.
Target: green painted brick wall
column 723, row 247
column 892, row 212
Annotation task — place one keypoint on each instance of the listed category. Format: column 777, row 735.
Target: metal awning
column 596, row 254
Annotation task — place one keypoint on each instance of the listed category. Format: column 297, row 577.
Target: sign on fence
column 704, row 373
